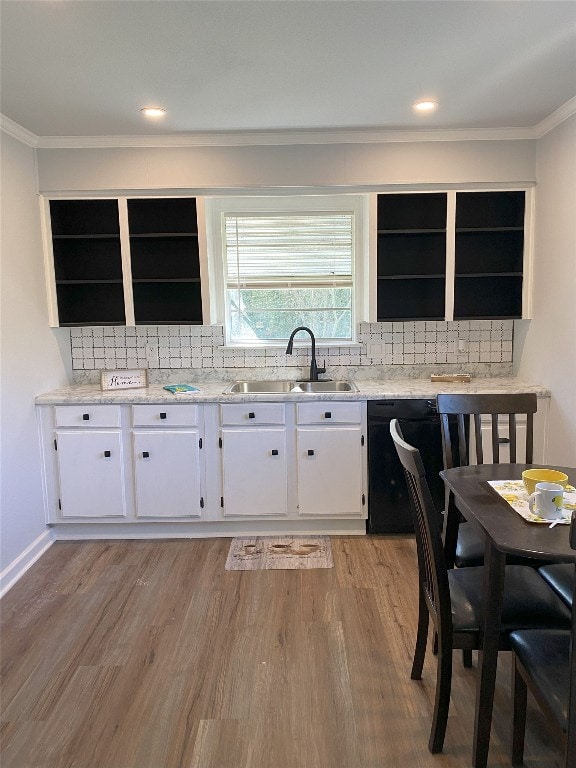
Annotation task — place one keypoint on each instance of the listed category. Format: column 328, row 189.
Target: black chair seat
column 528, row 601
column 560, row 576
column 470, row 550
column 544, row 654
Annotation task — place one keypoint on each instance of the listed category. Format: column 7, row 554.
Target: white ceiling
column 85, row 68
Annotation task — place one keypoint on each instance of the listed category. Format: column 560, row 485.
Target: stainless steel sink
column 259, row 387
column 283, row 386
column 325, row 386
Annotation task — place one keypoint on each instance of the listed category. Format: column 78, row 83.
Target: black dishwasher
column 389, row 505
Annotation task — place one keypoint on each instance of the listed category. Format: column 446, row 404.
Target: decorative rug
column 279, row 552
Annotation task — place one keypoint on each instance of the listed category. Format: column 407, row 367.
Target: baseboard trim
column 226, row 529
column 18, row 567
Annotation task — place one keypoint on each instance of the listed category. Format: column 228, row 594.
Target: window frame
column 355, row 203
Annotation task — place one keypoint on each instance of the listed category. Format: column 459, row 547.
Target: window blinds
column 288, row 250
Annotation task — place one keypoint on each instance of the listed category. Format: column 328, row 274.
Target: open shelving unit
column 87, row 262
column 411, row 256
column 165, row 261
column 489, row 255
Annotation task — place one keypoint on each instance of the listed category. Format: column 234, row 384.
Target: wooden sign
column 110, row 380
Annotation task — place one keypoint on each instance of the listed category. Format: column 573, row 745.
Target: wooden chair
column 453, row 597
column 468, row 410
column 541, row 663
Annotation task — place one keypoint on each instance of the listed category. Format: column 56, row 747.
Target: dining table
column 506, row 533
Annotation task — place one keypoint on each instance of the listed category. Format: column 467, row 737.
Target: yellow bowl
column 533, row 476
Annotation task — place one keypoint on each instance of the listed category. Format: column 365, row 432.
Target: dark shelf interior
column 91, row 303
column 489, row 209
column 489, row 251
column 167, row 302
column 172, row 215
column 488, row 297
column 410, row 298
column 88, row 259
column 165, row 257
column 412, row 211
column 84, row 217
column 411, row 254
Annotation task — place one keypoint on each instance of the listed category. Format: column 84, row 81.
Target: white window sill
column 297, row 346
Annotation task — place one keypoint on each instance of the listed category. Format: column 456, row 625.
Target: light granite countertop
column 212, row 392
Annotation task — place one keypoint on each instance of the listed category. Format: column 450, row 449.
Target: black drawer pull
column 274, row 452
column 86, row 416
column 251, row 415
column 145, row 455
column 107, row 454
column 503, row 440
column 162, row 415
column 328, row 415
column 310, row 452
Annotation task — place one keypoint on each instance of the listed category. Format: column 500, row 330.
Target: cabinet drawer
column 252, row 413
column 327, row 412
column 87, row 415
column 164, row 415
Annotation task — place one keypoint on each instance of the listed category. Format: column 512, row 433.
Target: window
column 284, row 262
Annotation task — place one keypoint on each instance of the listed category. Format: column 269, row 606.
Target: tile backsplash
column 168, row 347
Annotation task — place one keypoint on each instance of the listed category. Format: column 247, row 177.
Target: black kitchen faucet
column 314, row 370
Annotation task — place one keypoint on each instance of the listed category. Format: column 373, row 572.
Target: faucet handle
column 322, row 370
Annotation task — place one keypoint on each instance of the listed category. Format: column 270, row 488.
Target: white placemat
column 514, row 492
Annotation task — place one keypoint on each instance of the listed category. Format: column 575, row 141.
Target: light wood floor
column 132, row 654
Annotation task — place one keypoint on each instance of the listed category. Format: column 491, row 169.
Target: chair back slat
column 431, row 561
column 478, row 438
column 471, row 408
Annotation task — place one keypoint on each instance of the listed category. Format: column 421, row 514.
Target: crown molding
column 553, row 120
column 17, row 131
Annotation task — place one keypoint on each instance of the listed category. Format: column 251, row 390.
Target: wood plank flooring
column 148, row 654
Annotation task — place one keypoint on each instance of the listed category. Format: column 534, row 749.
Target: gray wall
column 546, row 346
column 294, row 167
column 31, row 359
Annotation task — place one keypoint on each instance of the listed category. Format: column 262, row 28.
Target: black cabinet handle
column 310, row 452
column 328, row 415
column 162, row 415
column 251, row 415
column 86, row 416
column 107, row 454
column 145, row 455
column 274, row 452
column 503, row 440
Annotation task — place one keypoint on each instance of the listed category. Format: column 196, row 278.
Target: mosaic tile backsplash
column 459, row 343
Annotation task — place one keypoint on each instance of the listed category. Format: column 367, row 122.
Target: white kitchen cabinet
column 167, row 445
column 330, row 459
column 90, row 471
column 254, row 460
column 254, row 472
column 167, row 474
column 329, row 470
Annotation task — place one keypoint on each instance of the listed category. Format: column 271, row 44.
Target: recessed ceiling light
column 425, row 106
column 153, row 111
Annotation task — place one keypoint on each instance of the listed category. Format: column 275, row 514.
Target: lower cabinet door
column 91, row 474
column 329, row 466
column 254, row 472
column 167, row 472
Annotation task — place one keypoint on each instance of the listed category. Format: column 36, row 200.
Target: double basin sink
column 286, row 387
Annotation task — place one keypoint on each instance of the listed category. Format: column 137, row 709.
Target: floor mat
column 253, row 553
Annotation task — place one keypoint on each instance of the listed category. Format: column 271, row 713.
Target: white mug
column 547, row 498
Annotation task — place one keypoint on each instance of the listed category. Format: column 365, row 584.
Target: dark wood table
column 506, row 532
